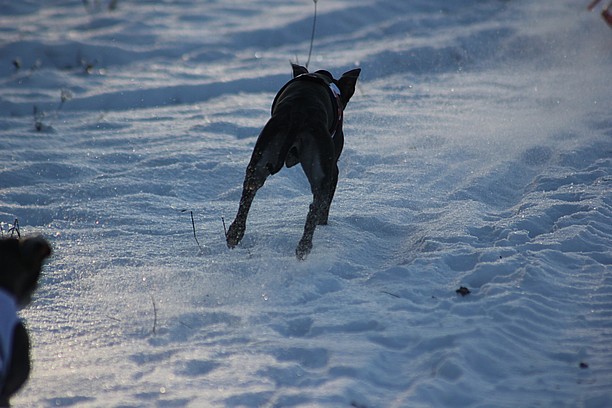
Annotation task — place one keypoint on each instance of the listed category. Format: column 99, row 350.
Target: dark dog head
column 346, row 83
column 20, row 264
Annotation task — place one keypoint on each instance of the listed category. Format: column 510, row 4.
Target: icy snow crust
column 478, row 153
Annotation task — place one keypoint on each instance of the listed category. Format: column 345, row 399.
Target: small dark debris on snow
column 583, row 365
column 463, row 291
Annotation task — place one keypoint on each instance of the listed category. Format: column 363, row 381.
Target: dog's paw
column 303, row 249
column 234, row 235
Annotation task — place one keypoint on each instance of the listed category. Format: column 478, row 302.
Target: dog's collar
column 337, row 98
column 324, row 78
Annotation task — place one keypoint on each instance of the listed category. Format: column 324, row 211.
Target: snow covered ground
column 478, row 154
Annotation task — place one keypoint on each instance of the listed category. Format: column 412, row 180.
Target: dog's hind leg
column 252, row 183
column 267, row 159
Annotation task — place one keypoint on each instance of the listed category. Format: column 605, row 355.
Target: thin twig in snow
column 154, row 315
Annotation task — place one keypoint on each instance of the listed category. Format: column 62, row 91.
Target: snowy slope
column 478, row 153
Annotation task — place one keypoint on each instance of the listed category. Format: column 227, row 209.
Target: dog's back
column 302, row 104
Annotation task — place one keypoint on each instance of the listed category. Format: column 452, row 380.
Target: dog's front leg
column 314, row 215
column 338, row 146
column 316, row 158
column 325, row 211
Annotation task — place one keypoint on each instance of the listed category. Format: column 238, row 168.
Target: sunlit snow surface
column 478, row 153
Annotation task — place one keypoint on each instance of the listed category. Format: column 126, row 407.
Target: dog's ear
column 298, row 70
column 34, row 250
column 347, row 83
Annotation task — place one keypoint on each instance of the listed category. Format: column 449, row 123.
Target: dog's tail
column 298, row 127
